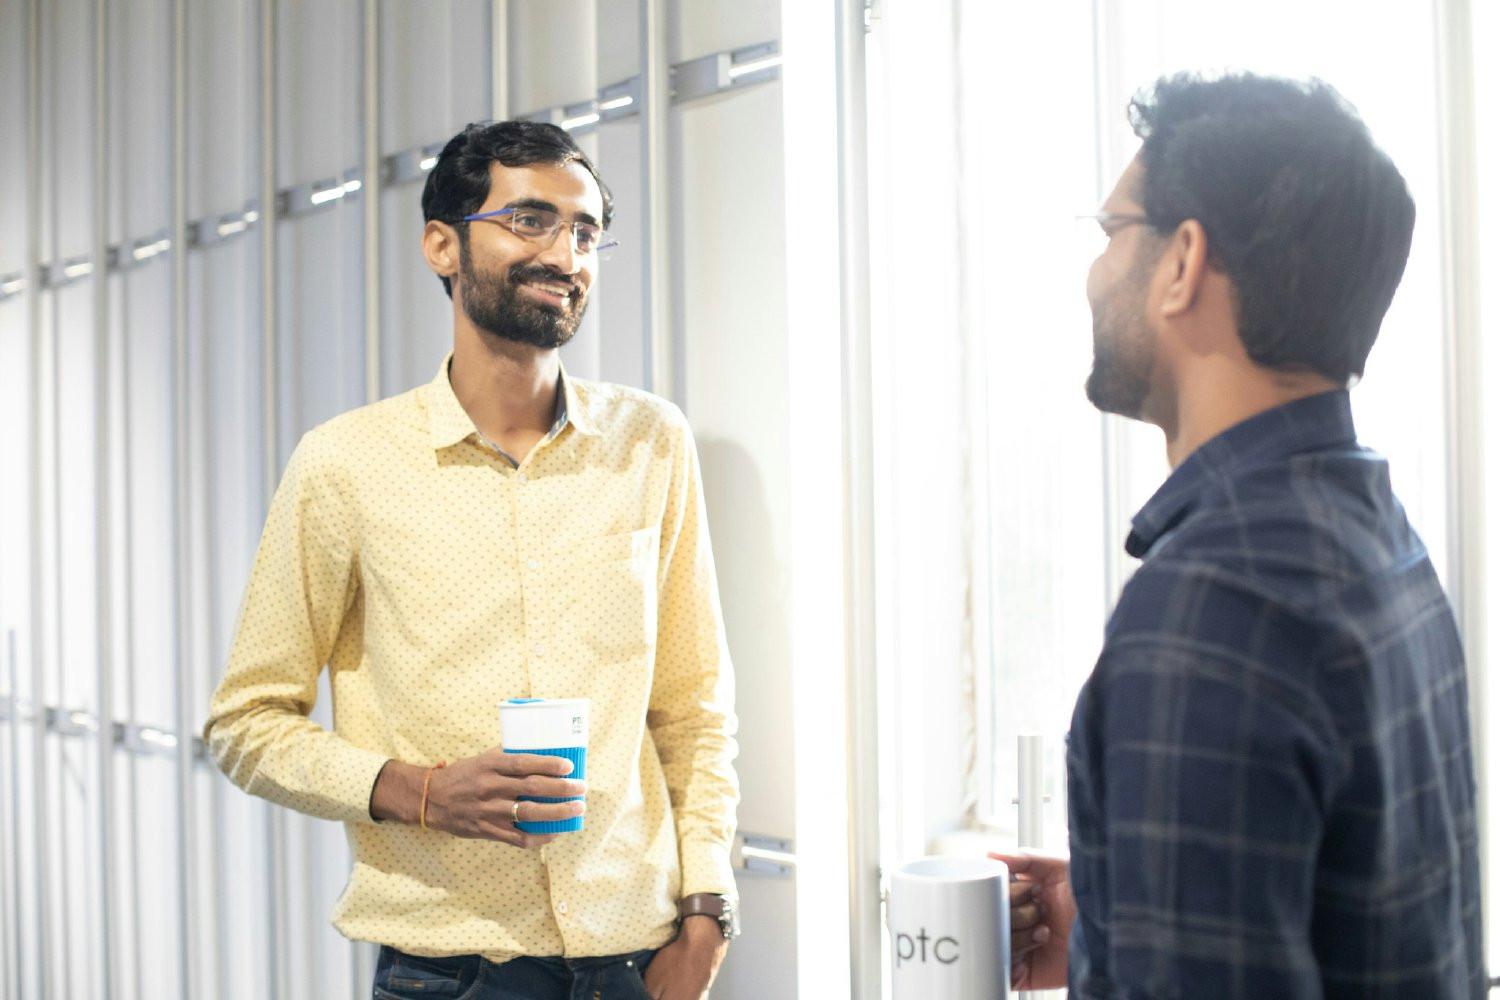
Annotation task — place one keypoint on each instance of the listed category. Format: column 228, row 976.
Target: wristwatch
column 711, row 905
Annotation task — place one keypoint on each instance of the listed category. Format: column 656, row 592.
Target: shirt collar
column 576, row 407
column 1307, row 424
column 451, row 423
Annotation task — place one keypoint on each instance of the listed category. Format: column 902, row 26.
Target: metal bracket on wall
column 763, row 855
column 141, row 251
column 218, row 228
column 691, row 80
column 411, row 164
column 306, row 198
column 133, row 737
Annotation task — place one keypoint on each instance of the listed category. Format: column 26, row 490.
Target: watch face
column 712, row 905
column 729, row 920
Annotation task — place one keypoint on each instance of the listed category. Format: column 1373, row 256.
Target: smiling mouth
column 550, row 291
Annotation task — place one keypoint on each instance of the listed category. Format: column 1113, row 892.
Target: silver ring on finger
column 515, row 812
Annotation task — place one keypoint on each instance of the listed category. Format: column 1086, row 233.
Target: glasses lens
column 533, row 223
column 586, row 237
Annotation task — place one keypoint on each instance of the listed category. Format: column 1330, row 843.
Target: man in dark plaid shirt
column 1271, row 789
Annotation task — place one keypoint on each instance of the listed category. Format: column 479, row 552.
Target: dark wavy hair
column 460, row 181
column 1307, row 217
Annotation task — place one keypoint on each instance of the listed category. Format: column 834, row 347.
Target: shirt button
column 521, row 478
column 532, row 564
column 539, row 649
column 562, row 907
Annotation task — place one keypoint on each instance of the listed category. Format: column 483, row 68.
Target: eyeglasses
column 1113, row 222
column 540, row 225
column 1096, row 229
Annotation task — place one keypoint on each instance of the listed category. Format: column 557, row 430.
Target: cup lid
column 542, row 702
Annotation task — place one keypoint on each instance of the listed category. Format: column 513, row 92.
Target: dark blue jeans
column 399, row 976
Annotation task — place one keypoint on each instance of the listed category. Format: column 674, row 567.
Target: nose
column 1091, row 278
column 560, row 253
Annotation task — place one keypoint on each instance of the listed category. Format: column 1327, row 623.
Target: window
column 1036, row 97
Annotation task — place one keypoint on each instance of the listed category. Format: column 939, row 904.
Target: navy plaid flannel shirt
column 1271, row 790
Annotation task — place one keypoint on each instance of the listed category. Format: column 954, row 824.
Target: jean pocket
column 637, row 964
column 399, row 976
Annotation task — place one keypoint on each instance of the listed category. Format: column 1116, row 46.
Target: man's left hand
column 684, row 969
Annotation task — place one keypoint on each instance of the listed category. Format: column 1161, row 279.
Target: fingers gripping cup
column 555, row 727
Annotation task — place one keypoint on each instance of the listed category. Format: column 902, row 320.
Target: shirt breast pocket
column 608, row 595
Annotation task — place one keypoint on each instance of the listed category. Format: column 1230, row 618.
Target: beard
column 493, row 303
column 1124, row 355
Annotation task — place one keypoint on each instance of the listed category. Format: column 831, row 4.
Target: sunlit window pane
column 1062, row 482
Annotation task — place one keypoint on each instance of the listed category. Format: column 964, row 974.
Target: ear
column 1186, row 262
column 440, row 248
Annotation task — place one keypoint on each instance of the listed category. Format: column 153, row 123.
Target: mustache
column 520, row 273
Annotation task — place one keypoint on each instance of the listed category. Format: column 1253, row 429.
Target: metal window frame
column 861, row 709
column 185, row 754
column 108, row 877
column 41, row 916
column 1459, row 242
column 655, row 106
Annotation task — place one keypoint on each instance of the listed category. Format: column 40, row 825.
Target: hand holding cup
column 1041, row 914
column 478, row 796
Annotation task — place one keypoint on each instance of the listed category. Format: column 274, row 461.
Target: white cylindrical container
column 949, row 920
column 556, row 727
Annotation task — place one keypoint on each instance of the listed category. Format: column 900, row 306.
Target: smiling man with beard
column 504, row 531
column 1270, row 778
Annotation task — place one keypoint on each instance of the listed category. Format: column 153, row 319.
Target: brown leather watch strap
column 707, row 903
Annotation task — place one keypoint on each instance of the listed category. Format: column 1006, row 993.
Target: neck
column 507, row 389
column 1214, row 400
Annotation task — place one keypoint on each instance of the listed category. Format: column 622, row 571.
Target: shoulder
column 623, row 410
column 1302, row 530
column 338, row 447
column 1197, row 608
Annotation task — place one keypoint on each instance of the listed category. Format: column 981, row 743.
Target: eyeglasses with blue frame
column 540, row 225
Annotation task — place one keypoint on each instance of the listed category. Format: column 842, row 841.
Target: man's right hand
column 1041, row 916
column 476, row 797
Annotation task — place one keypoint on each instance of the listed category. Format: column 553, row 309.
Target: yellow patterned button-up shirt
column 434, row 579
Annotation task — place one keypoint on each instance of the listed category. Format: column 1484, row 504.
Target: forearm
column 397, row 795
column 696, row 756
column 280, row 755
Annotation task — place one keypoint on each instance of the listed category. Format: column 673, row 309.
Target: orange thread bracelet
column 426, row 778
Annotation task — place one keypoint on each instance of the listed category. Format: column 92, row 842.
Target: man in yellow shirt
column 504, row 531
